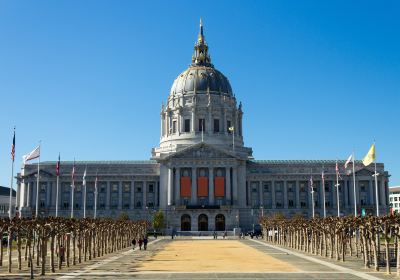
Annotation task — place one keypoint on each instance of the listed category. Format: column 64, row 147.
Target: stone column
column 298, row 195
column 33, row 195
column 132, row 204
column 224, row 126
column 144, row 189
column 261, row 193
column 192, row 128
column 209, row 129
column 228, row 186
column 177, row 186
column 273, row 194
column 120, row 195
column 285, row 195
column 371, row 192
column 108, row 196
column 346, row 197
column 235, row 185
column 28, row 194
column 358, row 194
column 49, row 202
column 170, row 186
column 382, row 193
column 333, row 192
column 194, row 186
column 211, row 185
column 351, row 198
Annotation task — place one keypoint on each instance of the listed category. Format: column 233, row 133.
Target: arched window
column 203, row 222
column 186, row 223
column 220, row 222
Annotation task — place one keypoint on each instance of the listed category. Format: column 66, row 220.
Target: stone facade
column 201, row 175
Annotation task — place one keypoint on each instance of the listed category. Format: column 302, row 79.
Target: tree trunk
column 52, row 253
column 43, row 251
column 73, row 249
column 9, row 248
column 19, row 251
column 387, row 255
column 1, row 249
column 68, row 248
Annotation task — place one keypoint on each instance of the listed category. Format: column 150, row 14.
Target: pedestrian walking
column 133, row 243
column 140, row 243
column 145, row 243
column 225, row 234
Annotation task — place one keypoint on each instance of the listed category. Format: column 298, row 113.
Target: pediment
column 364, row 172
column 201, row 151
column 43, row 173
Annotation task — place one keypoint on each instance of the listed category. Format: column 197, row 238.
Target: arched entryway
column 220, row 222
column 186, row 223
column 203, row 222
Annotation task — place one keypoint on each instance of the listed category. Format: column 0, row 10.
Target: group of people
column 142, row 241
column 224, row 235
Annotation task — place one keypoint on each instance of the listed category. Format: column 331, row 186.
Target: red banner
column 219, row 186
column 202, row 186
column 185, row 187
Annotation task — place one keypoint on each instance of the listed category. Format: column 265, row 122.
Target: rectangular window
column 202, row 125
column 187, row 125
column 174, row 127
column 228, row 125
column 151, row 188
column 216, row 125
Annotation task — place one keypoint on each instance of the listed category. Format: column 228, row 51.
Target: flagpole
column 37, row 183
column 58, row 184
column 337, row 190
column 312, row 196
column 84, row 195
column 354, row 185
column 12, row 176
column 73, row 189
column 376, row 185
column 95, row 197
column 323, row 190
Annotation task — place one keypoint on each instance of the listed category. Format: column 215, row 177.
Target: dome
column 201, row 77
column 201, row 80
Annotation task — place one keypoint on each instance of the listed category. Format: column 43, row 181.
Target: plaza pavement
column 210, row 259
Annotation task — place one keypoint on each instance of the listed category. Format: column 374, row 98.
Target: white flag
column 84, row 178
column 348, row 161
column 32, row 155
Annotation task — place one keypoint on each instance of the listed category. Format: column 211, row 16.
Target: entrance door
column 220, row 222
column 203, row 222
column 186, row 224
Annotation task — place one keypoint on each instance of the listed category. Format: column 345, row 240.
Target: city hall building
column 201, row 175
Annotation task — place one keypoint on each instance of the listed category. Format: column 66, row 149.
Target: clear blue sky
column 317, row 79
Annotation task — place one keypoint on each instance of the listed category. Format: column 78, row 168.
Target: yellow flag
column 370, row 157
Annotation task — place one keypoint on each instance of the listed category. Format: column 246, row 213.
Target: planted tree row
column 65, row 241
column 334, row 237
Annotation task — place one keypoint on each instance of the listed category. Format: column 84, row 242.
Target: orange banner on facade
column 219, row 186
column 185, row 187
column 202, row 186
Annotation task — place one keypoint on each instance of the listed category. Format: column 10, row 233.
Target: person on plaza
column 62, row 253
column 140, row 243
column 133, row 243
column 145, row 243
column 215, row 235
column 225, row 234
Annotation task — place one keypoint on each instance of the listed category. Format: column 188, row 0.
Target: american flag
column 58, row 166
column 337, row 170
column 13, row 148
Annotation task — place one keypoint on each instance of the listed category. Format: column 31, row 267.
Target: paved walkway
column 211, row 259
